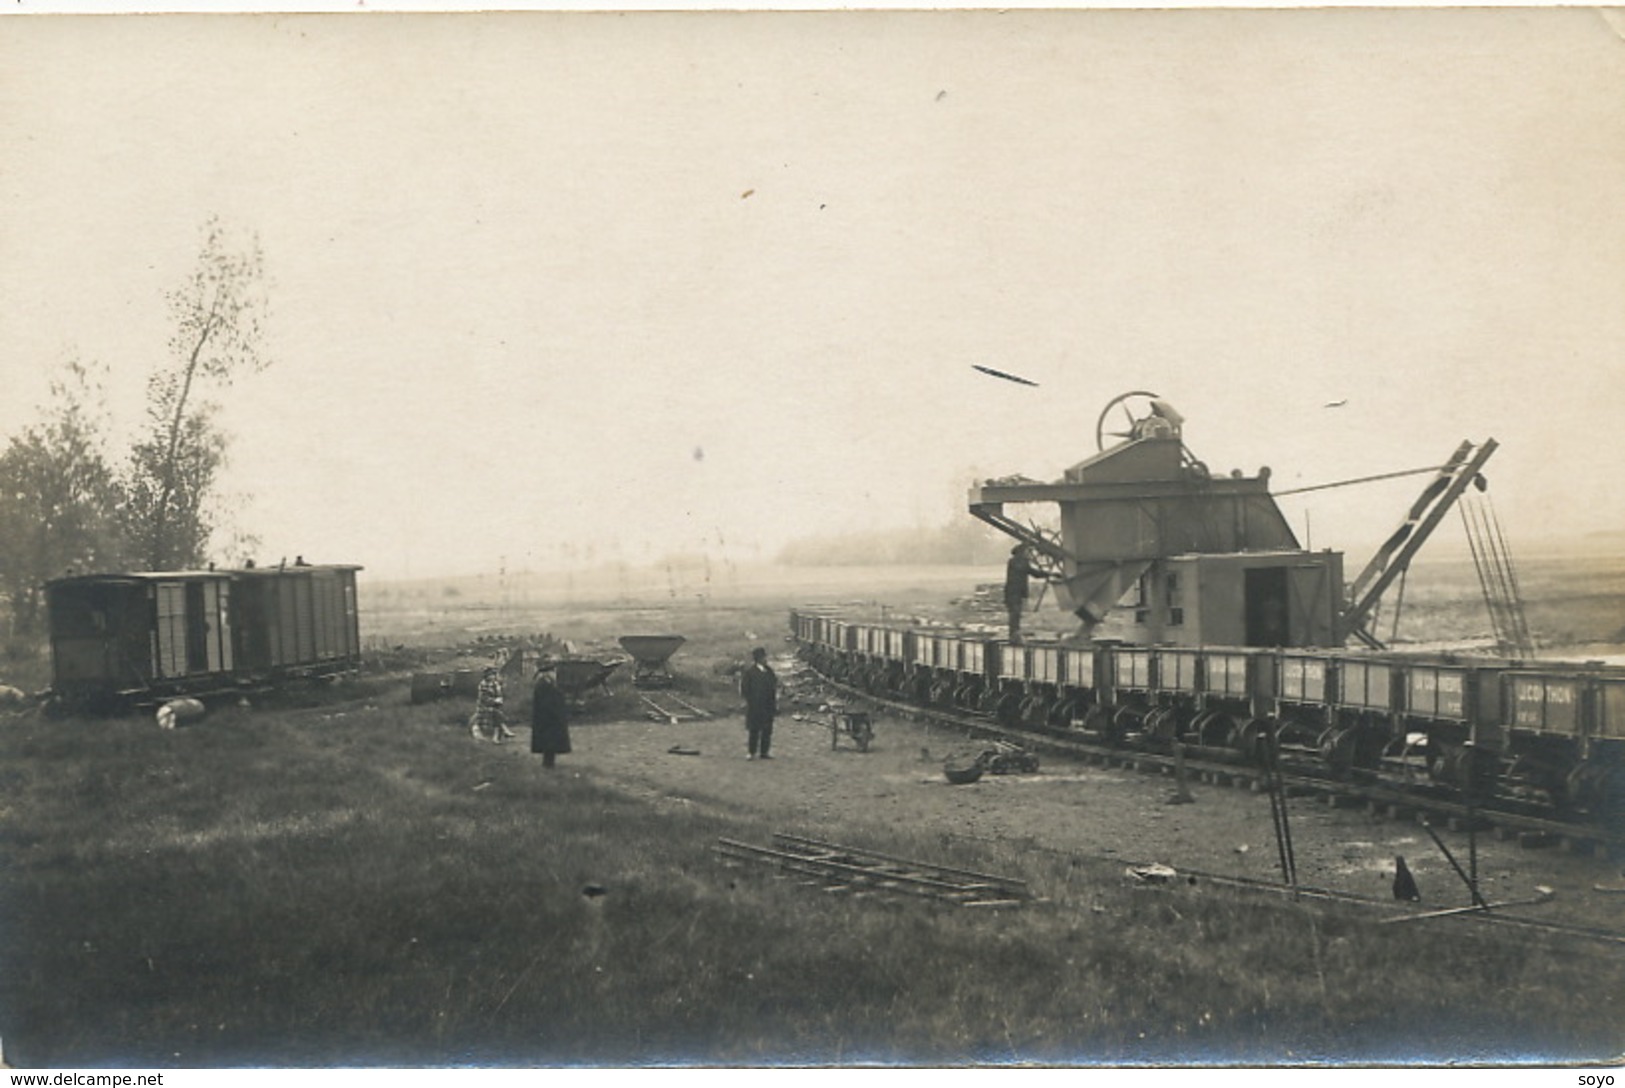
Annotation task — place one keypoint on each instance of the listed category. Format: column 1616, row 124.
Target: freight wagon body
column 118, row 633
column 137, row 637
column 1558, row 729
column 302, row 619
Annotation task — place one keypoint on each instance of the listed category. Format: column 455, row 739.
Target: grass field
column 322, row 888
column 347, row 880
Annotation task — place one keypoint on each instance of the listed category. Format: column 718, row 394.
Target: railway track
column 839, row 868
column 1391, row 799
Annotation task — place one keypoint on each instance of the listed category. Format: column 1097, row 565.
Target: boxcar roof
column 143, row 577
column 137, row 577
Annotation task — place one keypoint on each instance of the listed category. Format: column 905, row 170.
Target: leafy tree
column 58, row 496
column 170, row 507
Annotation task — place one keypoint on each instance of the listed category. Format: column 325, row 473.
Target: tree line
column 70, row 503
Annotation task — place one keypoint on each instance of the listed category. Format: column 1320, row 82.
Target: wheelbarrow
column 577, row 676
column 850, row 723
column 649, row 655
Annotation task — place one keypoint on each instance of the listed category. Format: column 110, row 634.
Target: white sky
column 523, row 306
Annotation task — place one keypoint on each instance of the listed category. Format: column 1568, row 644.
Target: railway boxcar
column 126, row 639
column 117, row 635
column 297, row 620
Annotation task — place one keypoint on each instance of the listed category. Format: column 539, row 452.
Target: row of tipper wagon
column 1557, row 728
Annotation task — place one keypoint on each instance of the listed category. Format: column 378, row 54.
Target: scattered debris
column 1155, row 873
column 961, row 770
column 999, row 757
column 179, row 710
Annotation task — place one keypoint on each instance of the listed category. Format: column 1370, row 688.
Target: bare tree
column 169, row 483
column 58, row 495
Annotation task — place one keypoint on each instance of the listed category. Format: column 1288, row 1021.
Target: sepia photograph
column 1084, row 539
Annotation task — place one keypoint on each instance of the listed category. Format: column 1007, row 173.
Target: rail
column 849, row 868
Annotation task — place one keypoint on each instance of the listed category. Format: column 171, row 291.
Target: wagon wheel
column 1097, row 719
column 1158, row 723
column 1130, row 417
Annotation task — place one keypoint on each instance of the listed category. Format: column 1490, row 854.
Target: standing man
column 760, row 687
column 549, row 717
column 1016, row 573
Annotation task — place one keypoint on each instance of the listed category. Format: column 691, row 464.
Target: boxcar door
column 169, row 634
column 197, row 627
column 224, row 636
column 1267, row 607
column 1309, row 617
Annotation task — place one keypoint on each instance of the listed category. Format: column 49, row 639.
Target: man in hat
column 1016, row 573
column 549, row 716
column 760, row 687
column 488, row 708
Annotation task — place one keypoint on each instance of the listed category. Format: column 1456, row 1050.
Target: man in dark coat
column 549, row 717
column 1016, row 573
column 760, row 687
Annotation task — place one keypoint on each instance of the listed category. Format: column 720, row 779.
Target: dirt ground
column 1068, row 806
